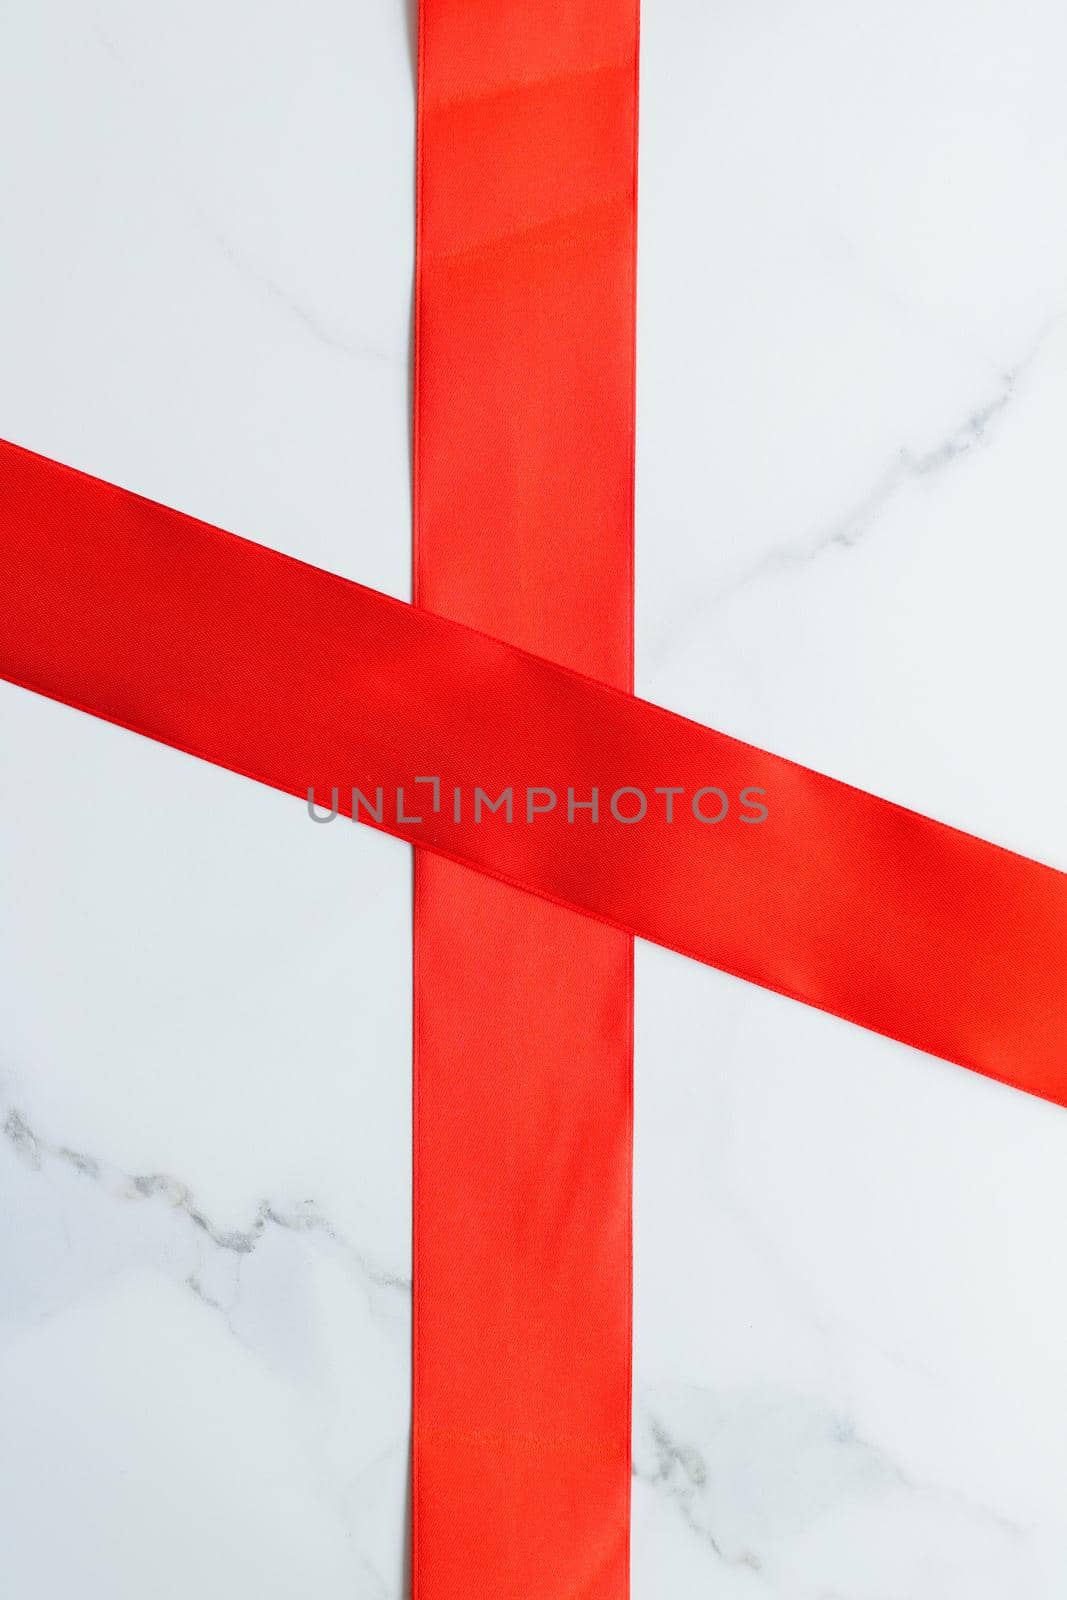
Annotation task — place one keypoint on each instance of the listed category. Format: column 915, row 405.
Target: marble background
column 851, row 1310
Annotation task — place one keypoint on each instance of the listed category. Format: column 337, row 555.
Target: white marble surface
column 850, row 1300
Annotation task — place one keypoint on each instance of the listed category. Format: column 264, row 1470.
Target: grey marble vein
column 972, row 431
column 681, row 1472
column 301, row 1217
column 808, row 1457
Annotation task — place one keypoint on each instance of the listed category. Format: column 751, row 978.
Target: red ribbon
column 524, row 432
column 302, row 680
column 299, row 678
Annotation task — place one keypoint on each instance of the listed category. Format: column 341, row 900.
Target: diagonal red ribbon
column 298, row 678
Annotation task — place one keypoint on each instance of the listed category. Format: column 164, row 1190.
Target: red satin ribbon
column 296, row 677
column 299, row 679
column 523, row 1013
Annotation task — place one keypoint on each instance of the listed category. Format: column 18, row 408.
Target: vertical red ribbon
column 524, row 421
